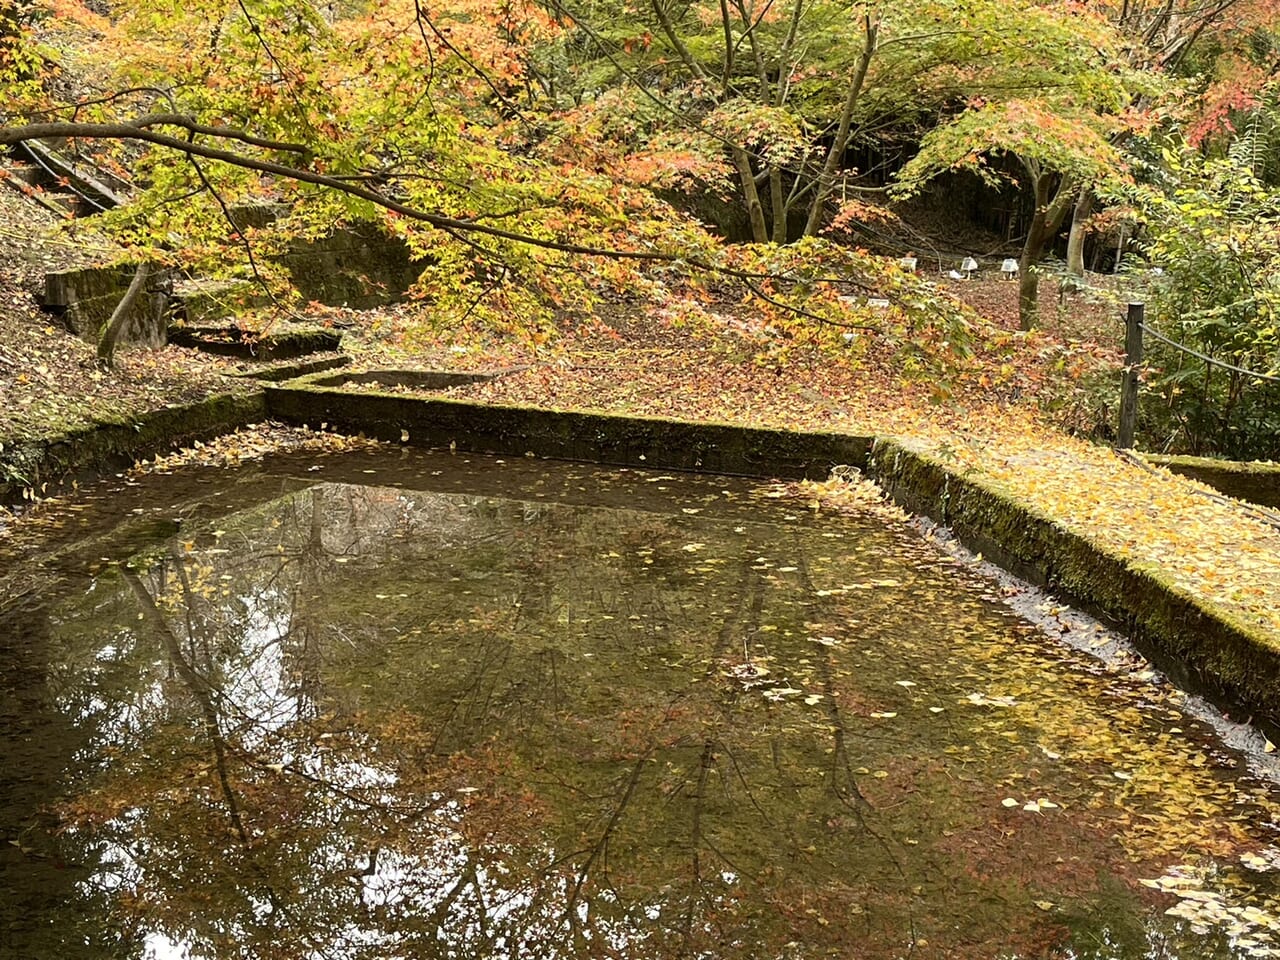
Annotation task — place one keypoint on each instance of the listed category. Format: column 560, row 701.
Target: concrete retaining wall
column 86, row 297
column 601, row 438
column 1200, row 644
column 48, row 464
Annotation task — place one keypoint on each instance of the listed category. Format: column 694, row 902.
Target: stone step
column 27, row 173
column 60, row 203
column 39, row 166
column 231, row 341
column 68, row 204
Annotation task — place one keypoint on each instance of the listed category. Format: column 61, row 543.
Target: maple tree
column 506, row 144
column 227, row 107
column 1058, row 149
column 242, row 104
column 787, row 92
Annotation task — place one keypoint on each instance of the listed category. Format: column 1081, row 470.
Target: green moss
column 114, row 441
column 1190, row 637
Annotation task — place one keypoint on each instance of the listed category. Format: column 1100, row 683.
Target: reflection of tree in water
column 308, row 771
column 368, row 723
column 39, row 741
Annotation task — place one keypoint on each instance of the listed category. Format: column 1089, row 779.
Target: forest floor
column 1003, row 422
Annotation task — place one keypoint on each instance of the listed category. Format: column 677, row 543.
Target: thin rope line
column 1208, row 359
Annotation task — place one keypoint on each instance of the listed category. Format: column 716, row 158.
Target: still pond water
column 415, row 706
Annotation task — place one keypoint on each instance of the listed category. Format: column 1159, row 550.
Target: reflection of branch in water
column 407, row 816
column 489, row 660
column 184, row 580
column 853, row 800
column 602, row 843
column 301, row 648
column 695, row 837
column 205, row 694
column 750, row 593
column 200, row 688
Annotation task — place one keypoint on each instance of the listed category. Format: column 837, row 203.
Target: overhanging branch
column 141, row 131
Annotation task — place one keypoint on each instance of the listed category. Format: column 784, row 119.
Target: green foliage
column 1042, row 134
column 1215, row 232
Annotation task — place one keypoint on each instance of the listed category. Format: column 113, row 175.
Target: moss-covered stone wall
column 569, row 435
column 47, row 464
column 86, row 297
column 1236, row 662
column 1200, row 645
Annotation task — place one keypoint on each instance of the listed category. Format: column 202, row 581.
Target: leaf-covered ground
column 1001, row 422
column 49, row 381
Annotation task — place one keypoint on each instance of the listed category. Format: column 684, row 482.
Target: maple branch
column 683, row 118
column 131, row 131
column 77, row 105
column 801, row 311
column 730, row 50
column 1171, row 57
column 452, row 225
column 244, row 241
column 225, row 133
column 280, row 68
column 664, row 20
column 423, row 19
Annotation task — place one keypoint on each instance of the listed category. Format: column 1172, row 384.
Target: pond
column 414, row 705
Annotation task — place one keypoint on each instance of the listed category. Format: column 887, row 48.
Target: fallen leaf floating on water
column 1268, row 859
column 982, row 700
column 1037, row 806
column 780, row 693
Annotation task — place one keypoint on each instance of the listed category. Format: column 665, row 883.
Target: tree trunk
column 1045, row 222
column 111, row 331
column 827, row 176
column 1075, row 240
column 779, row 204
column 750, row 195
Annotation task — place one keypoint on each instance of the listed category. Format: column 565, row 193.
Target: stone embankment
column 1211, row 638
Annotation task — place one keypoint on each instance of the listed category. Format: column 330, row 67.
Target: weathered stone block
column 86, row 297
column 359, row 267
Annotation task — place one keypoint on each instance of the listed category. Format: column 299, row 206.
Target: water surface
column 385, row 706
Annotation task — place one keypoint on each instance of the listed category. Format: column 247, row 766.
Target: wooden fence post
column 1129, row 383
